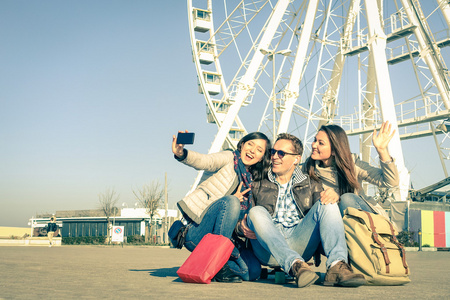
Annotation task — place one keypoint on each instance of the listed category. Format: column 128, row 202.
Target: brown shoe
column 341, row 274
column 303, row 274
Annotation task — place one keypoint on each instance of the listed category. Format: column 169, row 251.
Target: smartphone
column 185, row 138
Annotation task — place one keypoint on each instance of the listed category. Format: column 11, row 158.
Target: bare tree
column 108, row 201
column 150, row 197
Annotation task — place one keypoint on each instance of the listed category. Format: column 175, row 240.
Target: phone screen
column 185, row 138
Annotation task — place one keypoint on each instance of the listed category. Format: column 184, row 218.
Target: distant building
column 79, row 223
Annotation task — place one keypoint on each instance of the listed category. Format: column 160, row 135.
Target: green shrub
column 406, row 238
column 83, row 240
column 99, row 240
column 135, row 239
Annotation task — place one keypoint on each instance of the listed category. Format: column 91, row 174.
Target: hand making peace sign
column 239, row 194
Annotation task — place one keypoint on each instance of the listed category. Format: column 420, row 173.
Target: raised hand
column 177, row 149
column 381, row 140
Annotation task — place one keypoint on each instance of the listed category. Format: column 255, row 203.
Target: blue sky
column 91, row 93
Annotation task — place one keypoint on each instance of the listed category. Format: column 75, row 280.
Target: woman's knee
column 231, row 204
column 234, row 204
column 351, row 200
column 233, row 200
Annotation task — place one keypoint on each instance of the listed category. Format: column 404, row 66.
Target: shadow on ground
column 162, row 272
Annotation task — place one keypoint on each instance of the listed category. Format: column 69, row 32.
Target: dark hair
column 298, row 146
column 343, row 160
column 260, row 169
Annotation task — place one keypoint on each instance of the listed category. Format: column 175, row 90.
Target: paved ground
column 92, row 272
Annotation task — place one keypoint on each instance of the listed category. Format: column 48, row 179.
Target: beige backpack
column 374, row 249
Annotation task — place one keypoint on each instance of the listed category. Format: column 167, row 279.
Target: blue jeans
column 246, row 265
column 279, row 245
column 352, row 200
column 220, row 218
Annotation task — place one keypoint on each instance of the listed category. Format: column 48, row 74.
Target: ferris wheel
column 294, row 65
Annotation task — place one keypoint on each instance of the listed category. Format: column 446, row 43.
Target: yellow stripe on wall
column 427, row 228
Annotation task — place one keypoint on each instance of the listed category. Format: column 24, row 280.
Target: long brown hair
column 343, row 161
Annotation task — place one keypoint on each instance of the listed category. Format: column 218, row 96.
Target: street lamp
column 271, row 57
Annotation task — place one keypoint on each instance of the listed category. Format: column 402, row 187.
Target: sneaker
column 341, row 274
column 303, row 274
column 227, row 275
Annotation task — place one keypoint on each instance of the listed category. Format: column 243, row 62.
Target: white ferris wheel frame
column 237, row 94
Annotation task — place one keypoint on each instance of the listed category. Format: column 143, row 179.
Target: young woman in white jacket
column 223, row 196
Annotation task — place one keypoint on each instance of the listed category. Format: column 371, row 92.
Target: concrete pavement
column 93, row 272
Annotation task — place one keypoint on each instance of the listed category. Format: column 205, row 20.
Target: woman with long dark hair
column 337, row 168
column 223, row 196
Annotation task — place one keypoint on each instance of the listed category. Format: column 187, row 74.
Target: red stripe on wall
column 439, row 229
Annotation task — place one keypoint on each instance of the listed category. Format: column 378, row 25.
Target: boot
column 341, row 274
column 227, row 275
column 303, row 274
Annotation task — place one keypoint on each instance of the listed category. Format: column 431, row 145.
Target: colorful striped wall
column 435, row 226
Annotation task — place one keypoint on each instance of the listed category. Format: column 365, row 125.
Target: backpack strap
column 400, row 246
column 377, row 240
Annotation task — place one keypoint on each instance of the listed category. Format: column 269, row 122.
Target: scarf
column 245, row 177
column 327, row 175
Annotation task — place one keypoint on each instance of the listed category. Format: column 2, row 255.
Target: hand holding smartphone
column 185, row 138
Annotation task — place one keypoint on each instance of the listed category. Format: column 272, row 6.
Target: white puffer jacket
column 219, row 179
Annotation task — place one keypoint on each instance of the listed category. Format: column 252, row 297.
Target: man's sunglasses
column 280, row 153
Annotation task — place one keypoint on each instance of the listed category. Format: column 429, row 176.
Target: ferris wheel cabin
column 202, row 20
column 212, row 83
column 206, row 52
column 221, row 110
column 236, row 134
